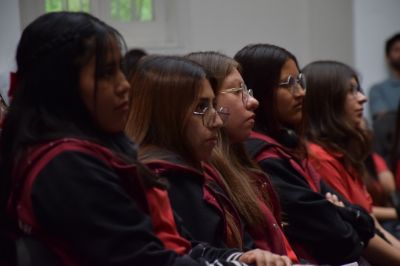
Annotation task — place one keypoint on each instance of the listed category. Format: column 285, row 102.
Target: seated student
column 175, row 120
column 338, row 145
column 379, row 181
column 339, row 141
column 248, row 187
column 380, row 184
column 395, row 150
column 319, row 231
column 69, row 176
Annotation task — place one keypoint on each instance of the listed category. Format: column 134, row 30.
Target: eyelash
column 201, row 106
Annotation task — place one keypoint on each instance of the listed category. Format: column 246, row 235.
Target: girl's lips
column 298, row 106
column 123, row 106
column 215, row 138
column 251, row 118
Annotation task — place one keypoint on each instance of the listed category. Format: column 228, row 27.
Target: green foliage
column 120, row 10
column 70, row 5
column 144, row 10
column 129, row 10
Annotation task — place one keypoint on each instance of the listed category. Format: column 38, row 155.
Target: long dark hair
column 229, row 158
column 324, row 112
column 47, row 103
column 261, row 69
column 165, row 89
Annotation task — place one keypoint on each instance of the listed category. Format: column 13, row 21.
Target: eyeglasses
column 292, row 83
column 246, row 93
column 355, row 89
column 209, row 114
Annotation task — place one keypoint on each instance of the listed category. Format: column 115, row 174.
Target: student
column 175, row 120
column 384, row 97
column 319, row 231
column 248, row 187
column 395, row 151
column 381, row 185
column 68, row 173
column 338, row 143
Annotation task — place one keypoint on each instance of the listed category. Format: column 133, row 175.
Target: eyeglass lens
column 293, row 83
column 210, row 115
column 246, row 94
column 356, row 88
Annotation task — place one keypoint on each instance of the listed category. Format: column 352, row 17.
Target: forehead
column 206, row 91
column 233, row 77
column 112, row 48
column 289, row 67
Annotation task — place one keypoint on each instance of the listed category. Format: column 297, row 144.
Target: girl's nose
column 252, row 103
column 361, row 97
column 123, row 86
column 218, row 123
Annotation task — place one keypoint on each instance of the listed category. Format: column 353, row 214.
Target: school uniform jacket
column 319, row 231
column 197, row 198
column 89, row 207
column 270, row 236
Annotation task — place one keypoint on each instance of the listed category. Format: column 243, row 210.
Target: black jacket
column 197, row 199
column 88, row 206
column 318, row 230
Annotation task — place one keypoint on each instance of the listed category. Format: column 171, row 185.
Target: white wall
column 9, row 36
column 374, row 22
column 308, row 28
column 302, row 26
column 352, row 31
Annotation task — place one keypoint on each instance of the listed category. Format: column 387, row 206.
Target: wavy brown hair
column 164, row 90
column 324, row 115
column 229, row 158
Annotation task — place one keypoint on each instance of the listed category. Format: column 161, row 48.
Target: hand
column 264, row 258
column 334, row 199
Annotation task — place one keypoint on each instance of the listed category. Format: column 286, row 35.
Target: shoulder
column 380, row 84
column 61, row 156
column 379, row 87
column 71, row 163
column 320, row 154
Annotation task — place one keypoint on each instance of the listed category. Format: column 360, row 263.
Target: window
column 130, row 10
column 148, row 24
column 70, row 5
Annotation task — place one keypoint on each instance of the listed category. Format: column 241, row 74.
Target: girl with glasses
column 70, row 181
column 338, row 144
column 319, row 231
column 248, row 187
column 175, row 121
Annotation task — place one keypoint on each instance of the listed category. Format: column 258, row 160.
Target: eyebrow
column 206, row 99
column 237, row 81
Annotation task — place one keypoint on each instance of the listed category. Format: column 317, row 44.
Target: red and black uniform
column 197, row 199
column 270, row 236
column 319, row 231
column 202, row 203
column 88, row 205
